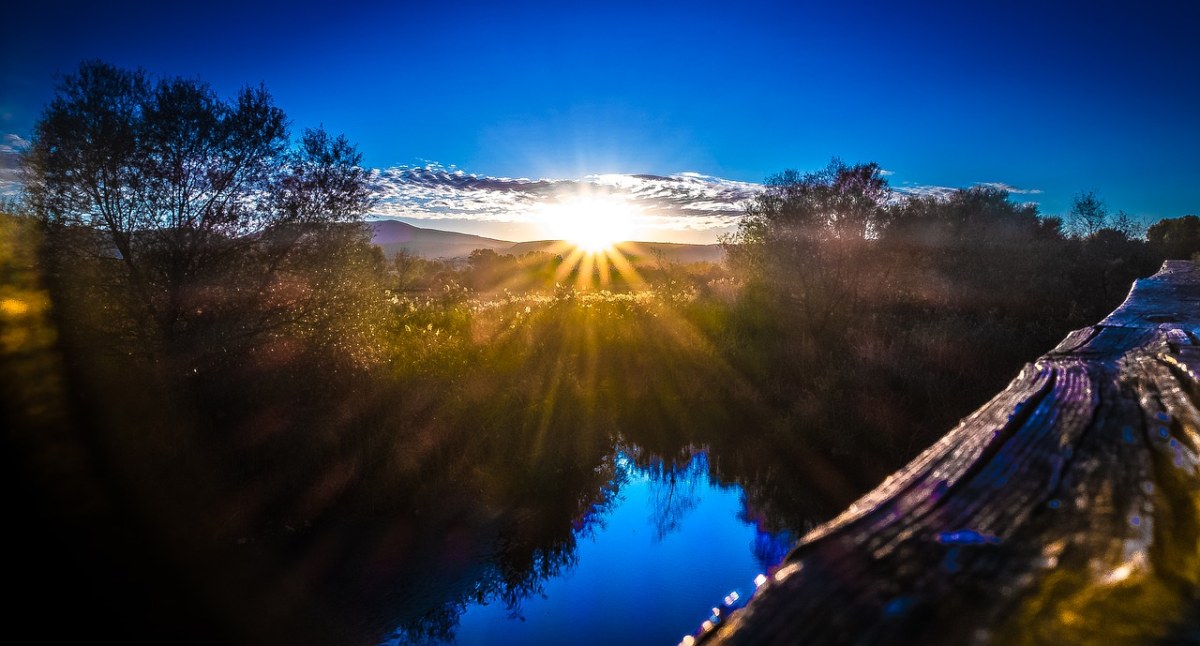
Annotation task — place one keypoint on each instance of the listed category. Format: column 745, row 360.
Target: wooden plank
column 1065, row 509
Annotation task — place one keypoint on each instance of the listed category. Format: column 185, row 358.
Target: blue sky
column 1055, row 97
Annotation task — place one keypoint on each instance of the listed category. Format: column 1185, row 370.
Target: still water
column 647, row 568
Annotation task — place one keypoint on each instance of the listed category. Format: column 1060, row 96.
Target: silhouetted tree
column 802, row 236
column 1051, row 227
column 1127, row 226
column 209, row 224
column 980, row 215
column 1177, row 238
column 1088, row 214
column 804, row 253
column 837, row 202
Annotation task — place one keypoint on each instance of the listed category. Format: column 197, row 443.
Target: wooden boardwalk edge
column 1065, row 509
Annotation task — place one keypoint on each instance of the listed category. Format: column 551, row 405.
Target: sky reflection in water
column 673, row 546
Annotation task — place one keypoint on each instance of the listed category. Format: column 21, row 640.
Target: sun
column 594, row 231
column 591, row 223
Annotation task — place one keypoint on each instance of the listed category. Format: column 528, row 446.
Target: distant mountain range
column 394, row 235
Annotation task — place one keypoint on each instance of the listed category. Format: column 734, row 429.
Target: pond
column 630, row 547
column 646, row 570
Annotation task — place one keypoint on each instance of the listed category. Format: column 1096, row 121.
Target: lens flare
column 592, row 223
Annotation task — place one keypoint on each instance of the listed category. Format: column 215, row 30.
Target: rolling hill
column 394, row 235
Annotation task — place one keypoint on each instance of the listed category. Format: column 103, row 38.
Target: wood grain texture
column 1066, row 509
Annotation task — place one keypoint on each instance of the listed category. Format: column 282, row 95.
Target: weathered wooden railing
column 1066, row 509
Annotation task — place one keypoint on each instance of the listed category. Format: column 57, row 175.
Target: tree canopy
column 1177, row 237
column 201, row 210
column 976, row 215
column 838, row 202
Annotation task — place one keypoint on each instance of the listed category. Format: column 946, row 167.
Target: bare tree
column 1125, row 224
column 1088, row 214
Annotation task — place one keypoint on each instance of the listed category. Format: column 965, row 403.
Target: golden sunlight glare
column 594, row 224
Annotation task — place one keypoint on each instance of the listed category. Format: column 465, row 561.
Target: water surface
column 646, row 569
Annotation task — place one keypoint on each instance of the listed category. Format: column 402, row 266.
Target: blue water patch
column 673, row 547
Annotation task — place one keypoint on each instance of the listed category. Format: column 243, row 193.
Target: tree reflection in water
column 673, row 489
column 657, row 525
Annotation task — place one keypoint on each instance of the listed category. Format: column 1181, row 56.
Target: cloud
column 1010, row 188
column 679, row 202
column 924, row 190
column 943, row 192
column 682, row 201
column 11, row 146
